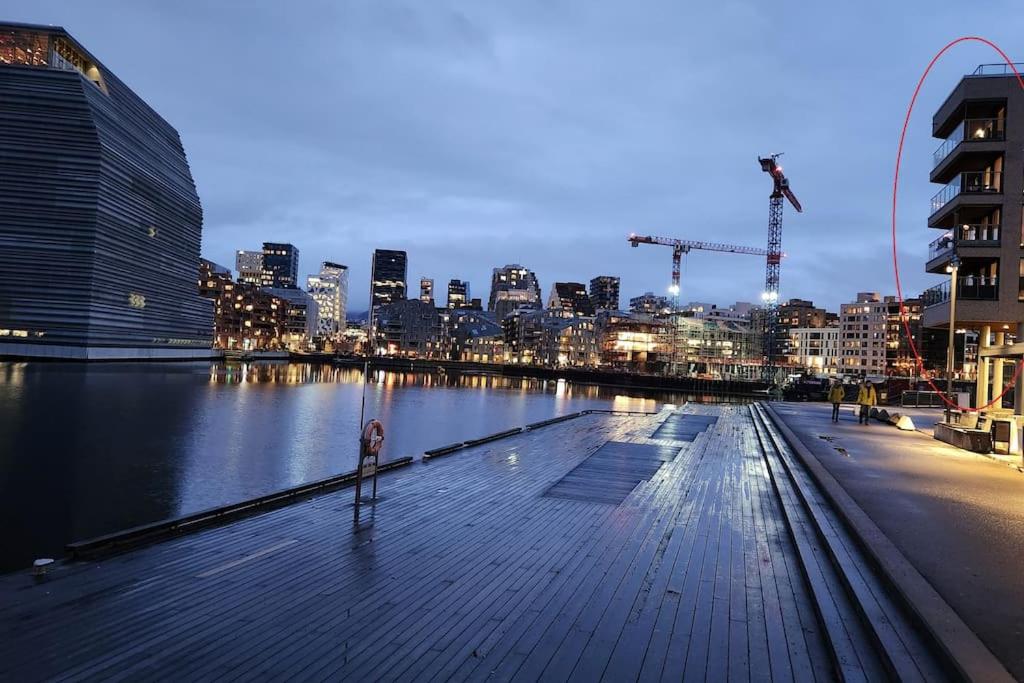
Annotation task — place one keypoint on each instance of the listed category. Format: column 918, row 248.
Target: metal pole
column 950, row 357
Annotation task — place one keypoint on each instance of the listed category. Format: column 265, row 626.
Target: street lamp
column 952, row 268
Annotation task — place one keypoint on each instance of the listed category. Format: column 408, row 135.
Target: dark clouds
column 473, row 134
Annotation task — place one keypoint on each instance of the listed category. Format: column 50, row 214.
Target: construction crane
column 770, row 296
column 680, row 247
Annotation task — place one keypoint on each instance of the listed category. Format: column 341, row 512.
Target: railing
column 1000, row 69
column 940, row 246
column 967, row 234
column 976, row 287
column 921, row 399
column 968, row 182
column 971, row 130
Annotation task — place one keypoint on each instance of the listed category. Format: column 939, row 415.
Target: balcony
column 971, row 130
column 968, row 182
column 961, row 239
column 1000, row 69
column 969, row 287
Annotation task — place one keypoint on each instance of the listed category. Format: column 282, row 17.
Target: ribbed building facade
column 100, row 222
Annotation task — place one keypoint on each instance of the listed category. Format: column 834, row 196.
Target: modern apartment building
column 329, row 288
column 513, row 287
column 458, row 294
column 980, row 167
column 863, row 327
column 571, row 297
column 604, row 293
column 815, row 349
column 427, row 290
column 649, row 303
column 100, row 221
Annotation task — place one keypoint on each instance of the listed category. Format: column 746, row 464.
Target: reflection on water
column 90, row 449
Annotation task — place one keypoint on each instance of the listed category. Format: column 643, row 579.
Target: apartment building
column 977, row 211
column 815, row 349
column 862, row 336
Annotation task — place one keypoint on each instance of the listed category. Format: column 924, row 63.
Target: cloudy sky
column 475, row 133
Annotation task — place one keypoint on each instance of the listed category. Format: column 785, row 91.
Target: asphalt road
column 957, row 516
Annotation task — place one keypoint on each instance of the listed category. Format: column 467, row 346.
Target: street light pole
column 952, row 268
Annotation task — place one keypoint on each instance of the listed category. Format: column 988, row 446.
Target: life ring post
column 371, row 440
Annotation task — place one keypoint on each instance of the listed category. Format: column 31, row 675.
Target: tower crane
column 680, row 247
column 780, row 189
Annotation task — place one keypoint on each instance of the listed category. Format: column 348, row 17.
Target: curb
column 954, row 640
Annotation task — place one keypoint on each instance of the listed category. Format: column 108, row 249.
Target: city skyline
column 544, row 163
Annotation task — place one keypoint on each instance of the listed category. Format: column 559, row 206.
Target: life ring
column 373, row 436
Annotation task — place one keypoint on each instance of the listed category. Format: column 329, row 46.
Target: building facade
column 427, row 290
column 458, row 294
column 99, row 213
column 299, row 317
column 409, row 329
column 280, row 265
column 329, row 289
column 632, row 343
column 513, row 287
column 863, row 326
column 387, row 280
column 979, row 165
column 649, row 303
column 604, row 293
column 571, row 297
column 815, row 349
column 249, row 266
column 245, row 317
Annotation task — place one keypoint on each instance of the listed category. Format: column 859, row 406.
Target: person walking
column 835, row 396
column 866, row 397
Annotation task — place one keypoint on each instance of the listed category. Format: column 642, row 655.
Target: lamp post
column 952, row 268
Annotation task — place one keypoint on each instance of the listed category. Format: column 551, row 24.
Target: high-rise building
column 604, row 293
column 387, row 280
column 978, row 166
column 571, row 297
column 280, row 265
column 458, row 294
column 99, row 217
column 427, row 290
column 329, row 288
column 513, row 287
column 249, row 265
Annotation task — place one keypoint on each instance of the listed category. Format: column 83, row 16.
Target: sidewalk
column 957, row 516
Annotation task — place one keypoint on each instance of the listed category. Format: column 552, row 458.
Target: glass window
column 24, row 47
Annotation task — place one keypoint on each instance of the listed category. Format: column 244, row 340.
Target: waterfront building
column 713, row 349
column 329, row 288
column 387, row 280
column 604, row 293
column 793, row 314
column 568, row 342
column 738, row 312
column 353, row 339
column 474, row 335
column 862, row 338
column 458, row 294
column 245, row 317
column 631, row 342
column 409, row 329
column 513, row 287
column 815, row 349
column 978, row 214
column 650, row 303
column 899, row 358
column 298, row 317
column 427, row 290
column 280, row 265
column 99, row 216
column 249, row 265
column 571, row 297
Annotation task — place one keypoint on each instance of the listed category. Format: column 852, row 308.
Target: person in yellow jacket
column 866, row 397
column 835, row 396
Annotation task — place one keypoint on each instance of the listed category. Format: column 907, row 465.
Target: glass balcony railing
column 940, row 246
column 968, row 182
column 974, row 287
column 971, row 130
column 1000, row 69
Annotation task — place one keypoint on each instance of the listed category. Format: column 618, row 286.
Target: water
column 91, row 449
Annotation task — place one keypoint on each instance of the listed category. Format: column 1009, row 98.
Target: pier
column 692, row 544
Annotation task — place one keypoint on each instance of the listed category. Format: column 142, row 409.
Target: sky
column 476, row 133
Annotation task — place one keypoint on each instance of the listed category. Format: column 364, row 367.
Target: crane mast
column 780, row 189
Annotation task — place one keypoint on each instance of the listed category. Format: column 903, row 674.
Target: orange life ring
column 373, row 436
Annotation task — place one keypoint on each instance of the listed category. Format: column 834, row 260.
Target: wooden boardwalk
column 465, row 569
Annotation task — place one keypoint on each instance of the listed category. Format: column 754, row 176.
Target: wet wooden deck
column 465, row 569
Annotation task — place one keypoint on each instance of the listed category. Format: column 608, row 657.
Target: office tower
column 570, row 297
column 387, row 279
column 280, row 265
column 99, row 217
column 329, row 288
